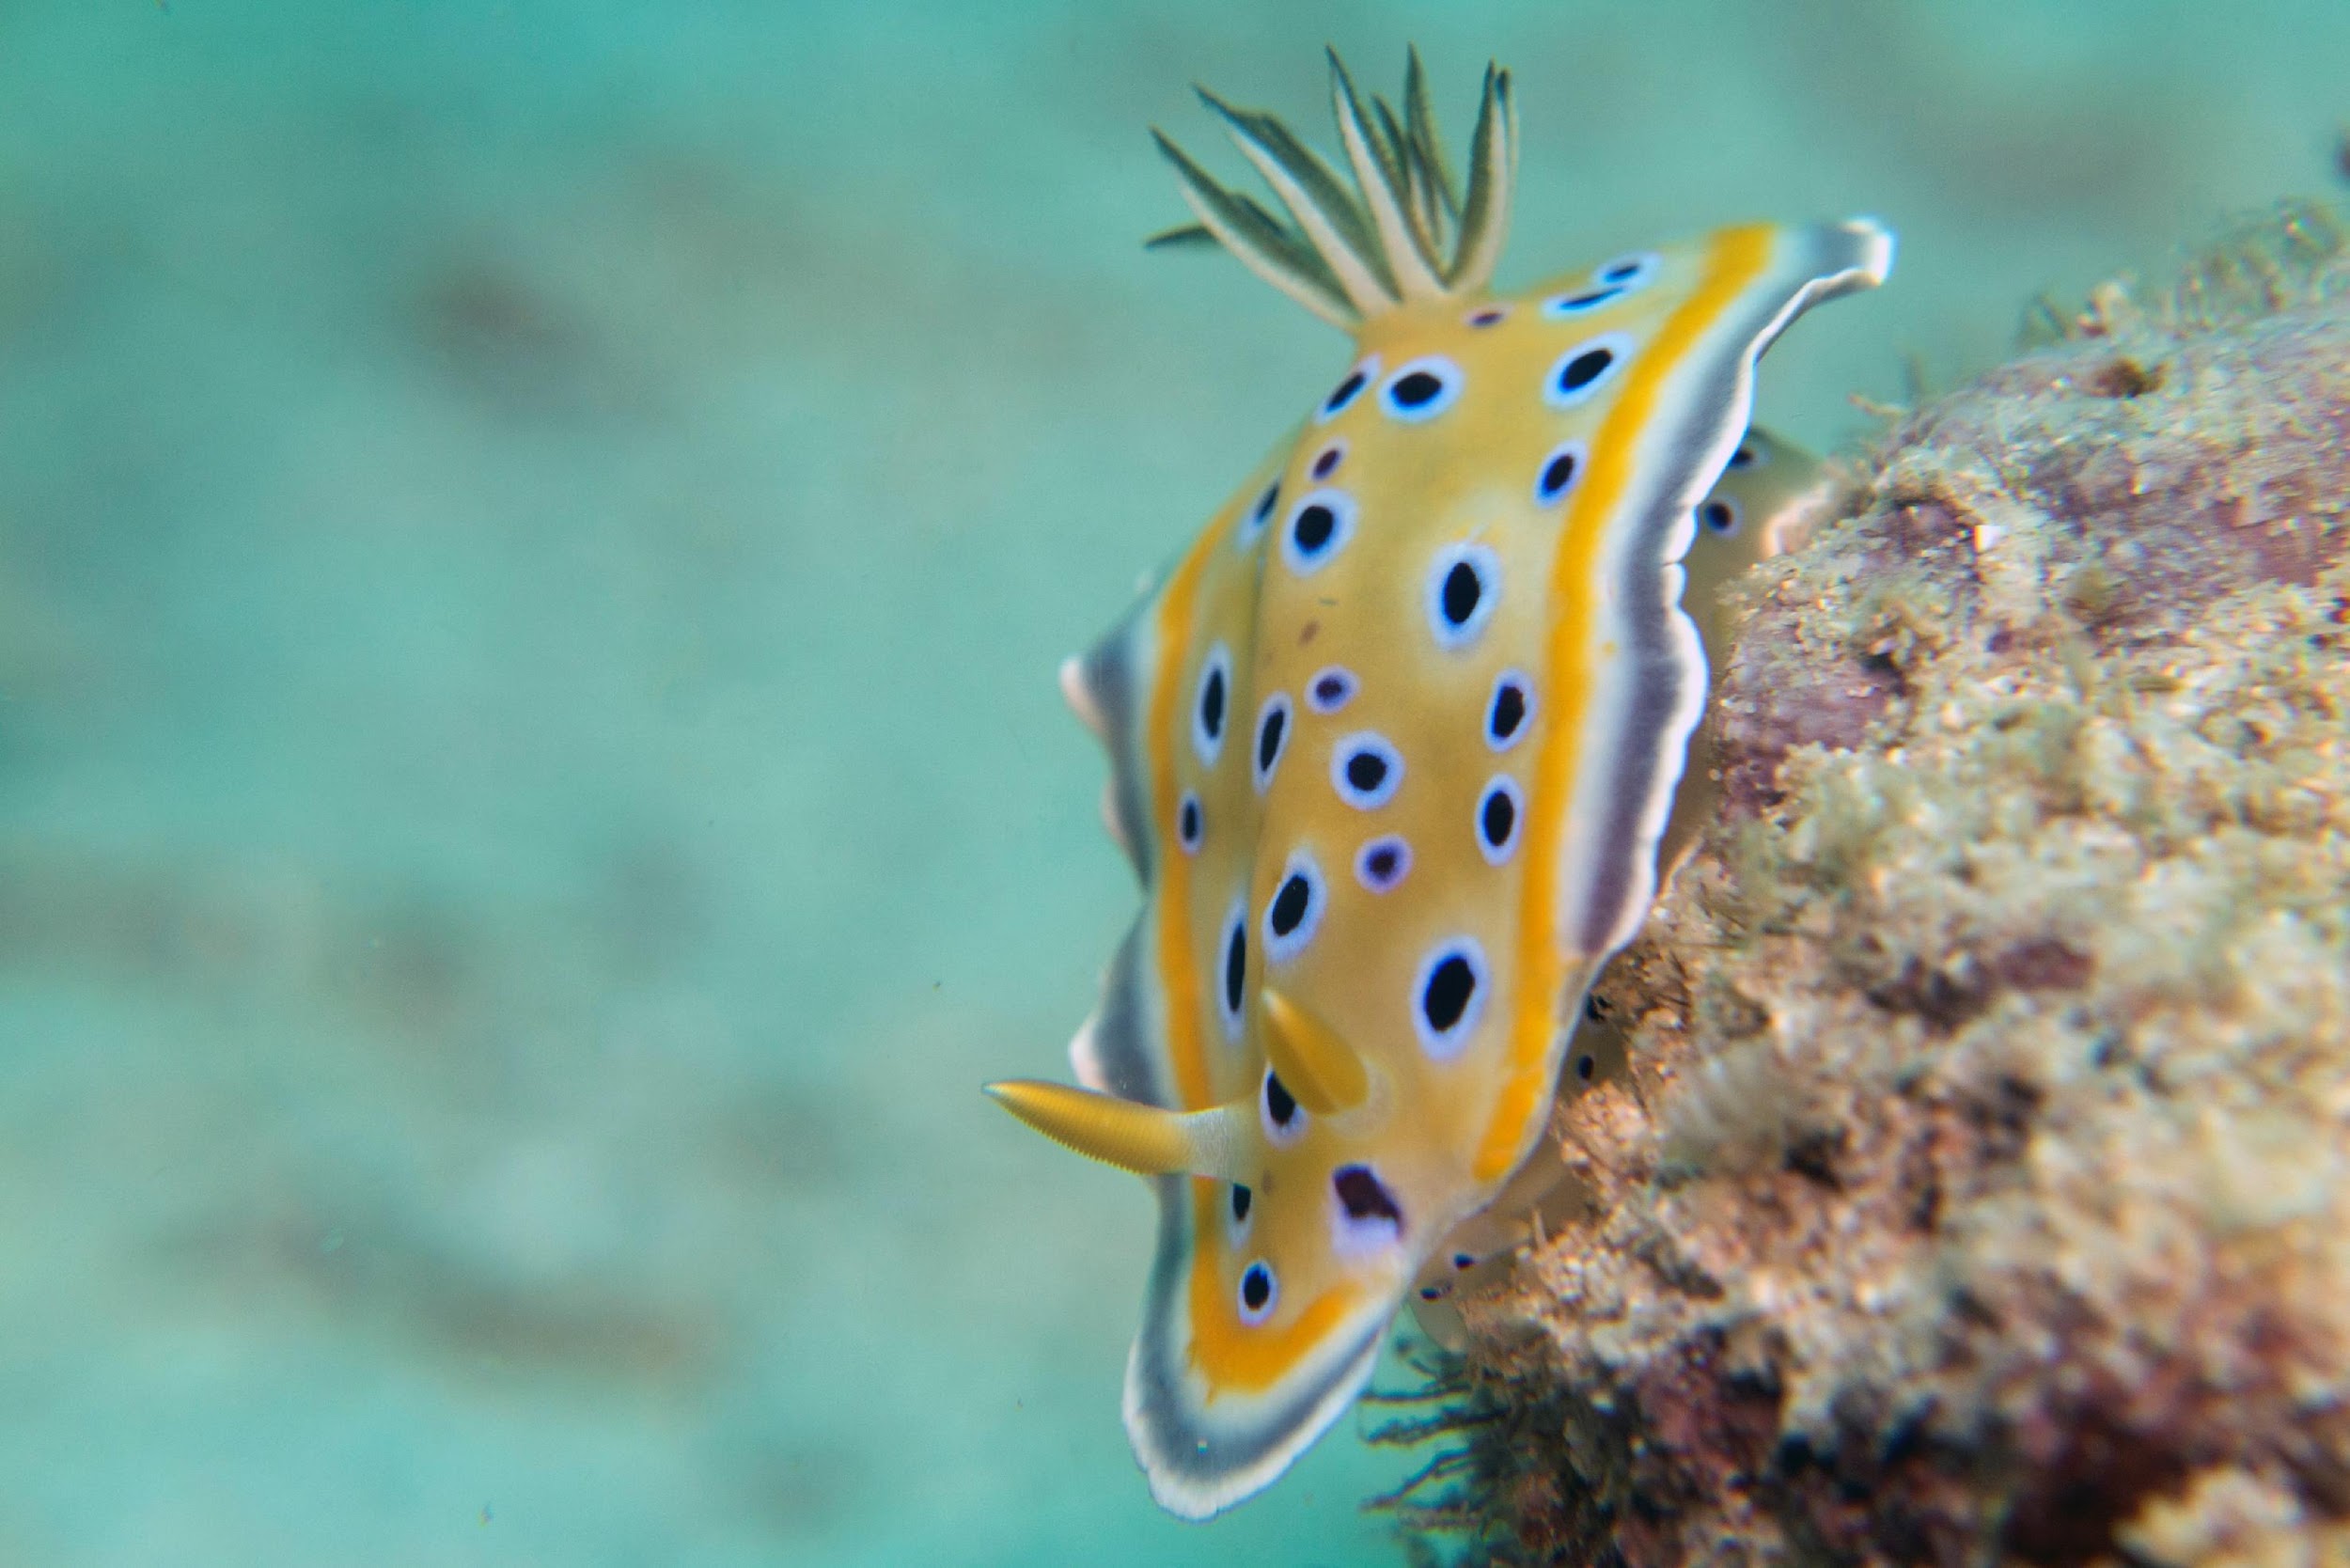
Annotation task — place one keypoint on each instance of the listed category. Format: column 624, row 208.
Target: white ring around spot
column 1281, row 948
column 1449, row 379
column 1253, row 1316
column 1444, row 1045
column 1341, row 695
column 1360, row 1238
column 1206, row 747
column 1260, row 513
column 1578, row 455
column 1524, row 685
column 1235, row 921
column 1341, row 509
column 1365, row 742
column 1276, row 1134
column 1630, row 271
column 1480, row 559
column 1502, row 784
column 1402, row 848
column 1368, row 369
column 1264, row 769
column 1618, row 347
column 1582, row 302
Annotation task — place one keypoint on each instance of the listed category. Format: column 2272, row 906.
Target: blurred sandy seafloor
column 533, row 545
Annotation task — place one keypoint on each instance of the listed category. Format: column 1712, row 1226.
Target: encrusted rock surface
column 1977, row 1191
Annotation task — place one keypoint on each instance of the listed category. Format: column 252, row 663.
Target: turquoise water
column 534, row 542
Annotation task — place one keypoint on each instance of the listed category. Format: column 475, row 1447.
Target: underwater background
column 534, row 543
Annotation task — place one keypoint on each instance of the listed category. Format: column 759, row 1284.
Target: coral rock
column 1976, row 1189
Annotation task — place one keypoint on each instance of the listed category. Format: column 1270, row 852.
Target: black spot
column 1240, row 1202
column 1585, row 369
column 1742, row 458
column 1585, row 1066
column 1188, row 821
column 1383, row 862
column 1269, row 738
column 1211, row 705
column 1367, row 771
column 1430, row 1293
column 1508, row 710
column 1596, row 1008
column 1314, row 526
column 1463, row 589
column 1330, row 690
column 1487, row 317
column 1343, row 394
column 1290, row 904
column 1256, row 1286
column 1235, row 968
column 1363, row 1196
column 1414, row 390
column 1328, row 464
column 1463, row 1261
column 1557, row 475
column 1279, row 1103
column 1621, row 272
column 1590, row 300
column 1499, row 817
column 1445, row 1000
column 1718, row 517
column 1265, row 503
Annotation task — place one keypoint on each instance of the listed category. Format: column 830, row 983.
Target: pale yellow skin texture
column 1357, row 974
column 1466, row 475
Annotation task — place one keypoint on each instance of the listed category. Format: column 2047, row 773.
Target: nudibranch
column 1393, row 748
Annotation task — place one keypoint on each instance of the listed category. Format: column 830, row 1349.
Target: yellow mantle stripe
column 1735, row 259
column 1229, row 1355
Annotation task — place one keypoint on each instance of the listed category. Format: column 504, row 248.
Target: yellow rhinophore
column 1393, row 747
